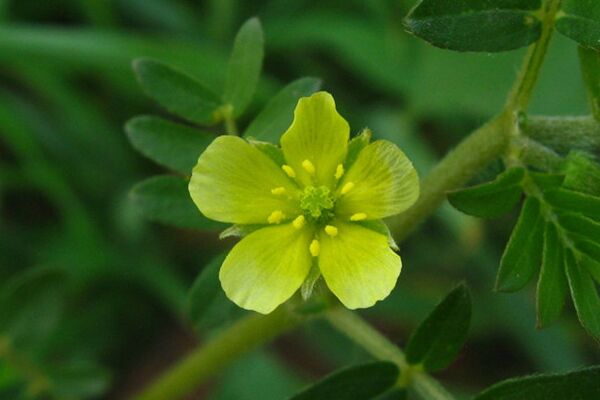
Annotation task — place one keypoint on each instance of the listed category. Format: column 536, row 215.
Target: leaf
column 172, row 145
column 207, row 305
column 581, row 22
column 582, row 174
column 523, row 252
column 244, row 66
column 277, row 115
column 552, row 285
column 585, row 295
column 363, row 381
column 476, row 25
column 79, row 380
column 490, row 199
column 574, row 201
column 178, row 93
column 581, row 384
column 439, row 338
column 590, row 69
column 165, row 199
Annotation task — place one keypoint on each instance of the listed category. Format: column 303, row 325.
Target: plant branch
column 357, row 329
column 211, row 357
column 563, row 134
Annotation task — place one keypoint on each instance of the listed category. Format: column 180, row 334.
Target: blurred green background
column 93, row 298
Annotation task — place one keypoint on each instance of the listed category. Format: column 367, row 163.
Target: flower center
column 316, row 201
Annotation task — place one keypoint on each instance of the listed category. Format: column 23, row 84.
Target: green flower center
column 316, row 201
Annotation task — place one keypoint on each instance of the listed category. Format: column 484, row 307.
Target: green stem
column 214, row 355
column 479, row 149
column 564, row 134
column 519, row 98
column 380, row 347
column 229, row 120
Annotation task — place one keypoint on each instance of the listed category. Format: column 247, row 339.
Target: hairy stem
column 211, row 357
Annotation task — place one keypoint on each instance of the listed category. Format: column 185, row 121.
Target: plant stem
column 380, row 347
column 479, row 149
column 564, row 134
column 214, row 355
column 229, row 120
column 519, row 97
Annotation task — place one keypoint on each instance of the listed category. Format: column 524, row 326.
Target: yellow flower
column 317, row 202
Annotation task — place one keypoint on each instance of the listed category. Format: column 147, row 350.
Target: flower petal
column 318, row 134
column 232, row 182
column 383, row 182
column 266, row 267
column 358, row 265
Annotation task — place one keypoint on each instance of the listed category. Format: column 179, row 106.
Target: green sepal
column 355, row 145
column 438, row 339
column 273, row 151
column 490, row 199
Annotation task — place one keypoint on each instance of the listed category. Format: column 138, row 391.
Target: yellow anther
column 275, row 217
column 314, row 248
column 358, row 217
column 289, row 171
column 278, row 190
column 298, row 222
column 347, row 187
column 339, row 171
column 331, row 230
column 308, row 167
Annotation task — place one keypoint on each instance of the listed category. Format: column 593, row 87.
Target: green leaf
column 79, row 380
column 582, row 174
column 552, row 285
column 490, row 199
column 581, row 22
column 178, row 93
column 165, row 199
column 244, row 66
column 590, row 69
column 574, row 201
column 277, row 115
column 207, row 305
column 439, row 338
column 581, row 384
column 584, row 293
column 363, row 381
column 172, row 145
column 476, row 25
column 523, row 252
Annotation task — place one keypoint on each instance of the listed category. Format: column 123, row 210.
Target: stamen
column 308, row 167
column 339, row 171
column 275, row 217
column 278, row 190
column 288, row 170
column 314, row 248
column 299, row 222
column 331, row 230
column 347, row 187
column 358, row 217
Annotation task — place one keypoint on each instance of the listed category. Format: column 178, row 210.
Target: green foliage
column 165, row 199
column 244, row 66
column 590, row 68
column 491, row 199
column 364, row 381
column 277, row 114
column 581, row 22
column 581, row 384
column 172, row 145
column 523, row 252
column 177, row 92
column 476, row 25
column 439, row 338
column 207, row 305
